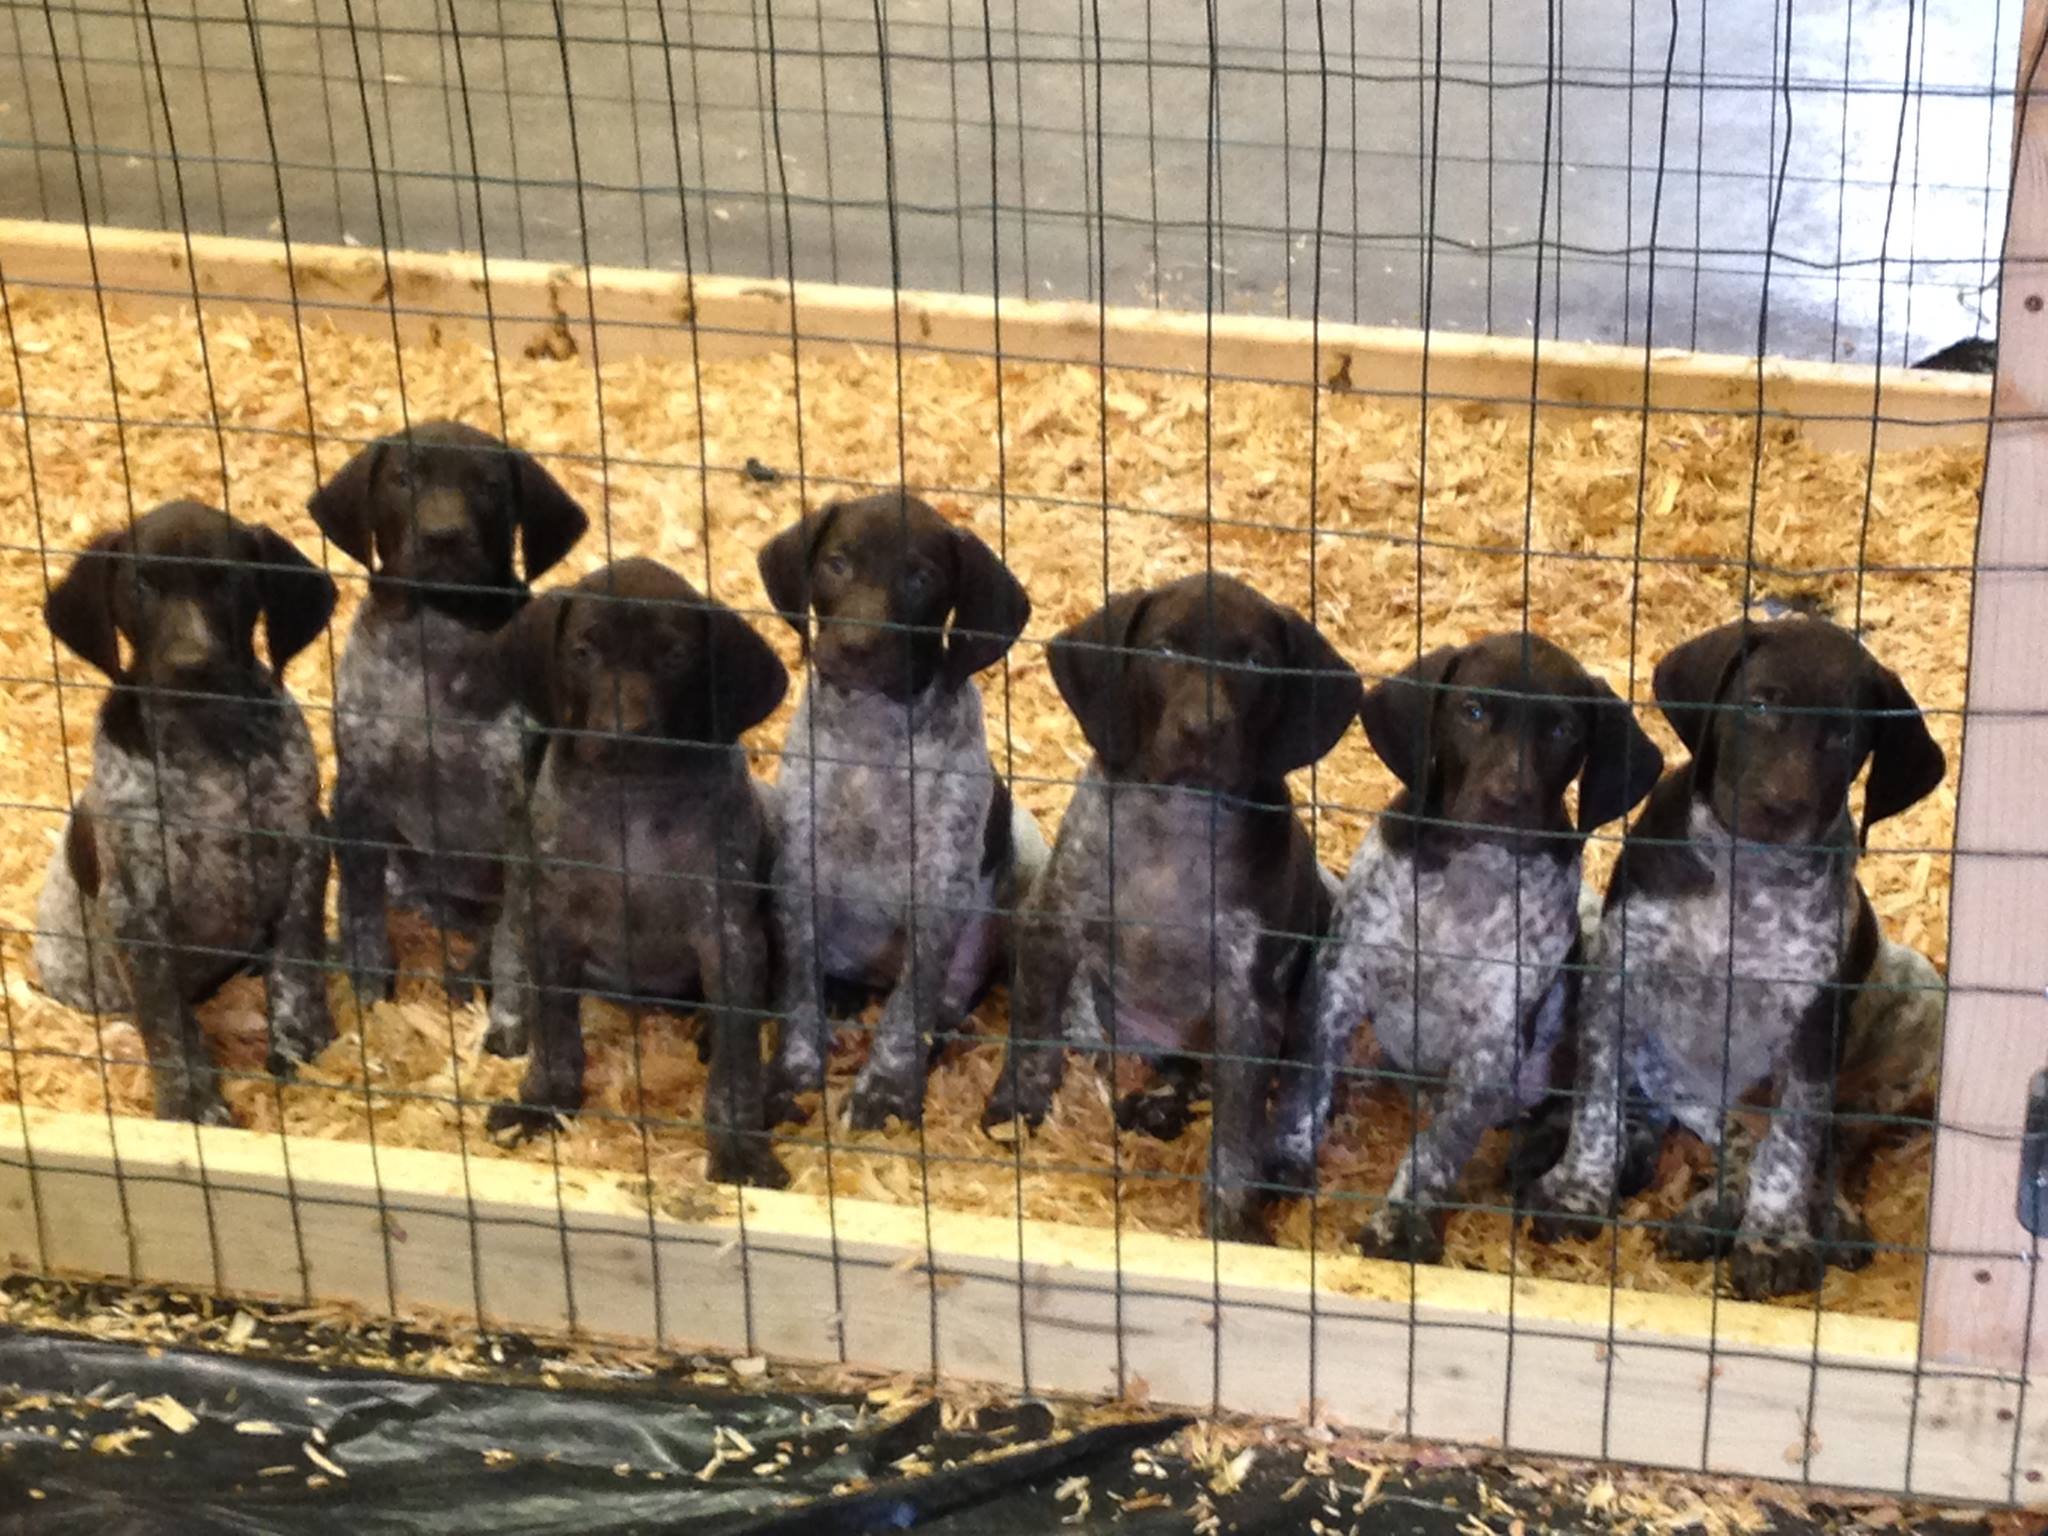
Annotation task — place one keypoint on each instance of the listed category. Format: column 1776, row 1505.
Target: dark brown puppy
column 644, row 868
column 1458, row 929
column 426, row 725
column 1745, row 934
column 1183, row 898
column 197, row 851
column 896, row 860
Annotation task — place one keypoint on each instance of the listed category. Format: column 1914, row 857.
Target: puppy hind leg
column 553, row 1087
column 363, row 839
column 1408, row 1225
column 301, row 1026
column 1328, row 1012
column 734, row 965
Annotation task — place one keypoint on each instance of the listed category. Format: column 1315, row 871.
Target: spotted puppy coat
column 427, row 730
column 197, row 850
column 1458, row 929
column 896, row 859
column 1734, row 937
column 643, row 855
column 1183, row 897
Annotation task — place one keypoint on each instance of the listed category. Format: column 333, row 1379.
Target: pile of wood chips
column 1620, row 567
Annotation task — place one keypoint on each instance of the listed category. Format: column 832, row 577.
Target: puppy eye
column 916, row 583
column 1756, row 707
column 1473, row 710
column 583, row 653
column 1563, row 730
column 836, row 566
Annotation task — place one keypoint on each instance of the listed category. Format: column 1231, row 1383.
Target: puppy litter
column 404, row 1066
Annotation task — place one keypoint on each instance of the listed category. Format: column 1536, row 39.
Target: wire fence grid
column 1766, row 181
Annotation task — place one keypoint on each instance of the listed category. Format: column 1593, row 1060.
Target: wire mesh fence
column 772, row 703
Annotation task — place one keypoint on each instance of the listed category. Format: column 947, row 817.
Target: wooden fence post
column 1982, row 1270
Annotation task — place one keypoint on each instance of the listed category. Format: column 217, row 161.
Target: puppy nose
column 441, row 519
column 186, row 645
column 625, row 706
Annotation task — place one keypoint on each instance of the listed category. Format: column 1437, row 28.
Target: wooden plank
column 523, row 305
column 1234, row 1328
column 1982, row 1272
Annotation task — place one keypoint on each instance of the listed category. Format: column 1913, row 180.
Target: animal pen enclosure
column 1428, row 321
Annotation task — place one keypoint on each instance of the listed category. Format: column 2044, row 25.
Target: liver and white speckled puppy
column 197, row 851
column 1458, row 929
column 426, row 727
column 1183, row 899
column 1744, row 933
column 643, row 856
column 899, row 850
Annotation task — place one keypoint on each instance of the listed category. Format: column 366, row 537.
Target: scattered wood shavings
column 322, row 1460
column 397, row 1065
column 170, row 1413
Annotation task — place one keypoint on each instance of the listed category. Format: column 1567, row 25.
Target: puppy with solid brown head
column 898, row 854
column 1735, row 937
column 197, row 851
column 1458, row 929
column 426, row 729
column 1183, row 898
column 643, row 856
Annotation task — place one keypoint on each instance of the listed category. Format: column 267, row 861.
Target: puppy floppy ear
column 298, row 597
column 1692, row 679
column 1906, row 762
column 990, row 607
column 785, row 565
column 527, row 647
column 1088, row 664
column 80, row 608
column 550, row 521
column 748, row 678
column 1622, row 763
column 344, row 507
column 1399, row 714
column 1318, row 696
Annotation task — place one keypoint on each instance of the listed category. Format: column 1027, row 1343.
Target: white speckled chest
column 1167, row 926
column 884, row 801
column 1457, row 954
column 1717, row 980
column 209, row 832
column 422, row 711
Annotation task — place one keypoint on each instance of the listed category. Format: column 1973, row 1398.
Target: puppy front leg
column 363, row 838
column 1241, row 1078
column 182, row 1072
column 734, row 965
column 1409, row 1226
column 803, row 1038
column 1035, row 1059
column 892, row 1081
column 1335, row 1003
column 1578, row 1193
column 553, row 1088
column 511, row 951
column 1775, row 1250
column 300, row 1024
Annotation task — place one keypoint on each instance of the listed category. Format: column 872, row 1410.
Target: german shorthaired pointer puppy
column 197, row 851
column 644, row 854
column 1183, row 899
column 1458, row 929
column 1734, row 937
column 897, row 855
column 426, row 729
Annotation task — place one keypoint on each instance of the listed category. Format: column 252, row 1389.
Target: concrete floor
column 443, row 123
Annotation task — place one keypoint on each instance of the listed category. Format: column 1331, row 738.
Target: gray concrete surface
column 755, row 132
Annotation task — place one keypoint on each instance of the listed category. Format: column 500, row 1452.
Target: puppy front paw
column 506, row 1034
column 1010, row 1107
column 1161, row 1111
column 1705, row 1227
column 511, row 1124
column 735, row 1157
column 195, row 1097
column 880, row 1096
column 296, row 1040
column 371, row 962
column 1783, row 1264
column 1845, row 1237
column 1235, row 1216
column 1561, row 1208
column 1399, row 1230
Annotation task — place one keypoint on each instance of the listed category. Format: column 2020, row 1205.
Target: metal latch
column 2033, row 1203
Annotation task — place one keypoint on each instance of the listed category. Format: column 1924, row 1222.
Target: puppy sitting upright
column 897, row 855
column 1183, row 897
column 1458, row 930
column 1735, row 935
column 644, row 859
column 197, row 851
column 426, row 728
